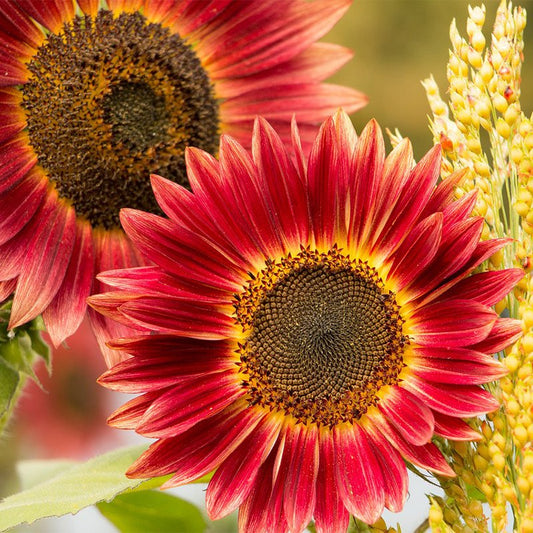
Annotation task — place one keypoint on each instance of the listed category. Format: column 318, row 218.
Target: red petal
column 170, row 315
column 454, row 400
column 199, row 450
column 189, row 402
column 454, row 428
column 396, row 170
column 394, row 470
column 89, row 7
column 416, row 190
column 365, row 175
column 416, row 251
column 299, row 496
column 315, row 64
column 236, row 476
column 66, row 311
column 16, row 23
column 310, row 102
column 505, row 332
column 452, row 323
column 458, row 246
column 461, row 209
column 427, row 456
column 129, row 415
column 263, row 508
column 487, row 288
column 279, row 177
column 19, row 204
column 50, row 13
column 457, row 371
column 330, row 514
column 413, row 420
column 444, row 193
column 281, row 35
column 44, row 266
column 179, row 251
column 112, row 250
column 240, row 173
column 205, row 179
column 149, row 372
column 360, row 479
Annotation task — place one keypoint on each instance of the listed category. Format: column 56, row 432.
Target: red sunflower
column 96, row 95
column 318, row 328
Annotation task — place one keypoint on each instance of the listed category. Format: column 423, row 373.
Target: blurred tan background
column 397, row 44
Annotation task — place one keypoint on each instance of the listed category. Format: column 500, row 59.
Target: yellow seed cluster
column 461, row 512
column 484, row 91
column 483, row 128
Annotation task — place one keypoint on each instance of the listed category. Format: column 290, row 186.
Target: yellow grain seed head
column 500, row 103
column 523, row 485
column 499, row 462
column 512, row 114
column 527, row 462
column 486, row 72
column 512, row 362
column 474, row 56
column 527, row 318
column 520, row 435
column 526, row 525
column 476, row 15
column 480, row 462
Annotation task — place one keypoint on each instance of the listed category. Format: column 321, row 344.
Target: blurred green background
column 398, row 43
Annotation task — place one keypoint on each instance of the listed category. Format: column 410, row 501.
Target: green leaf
column 34, row 471
column 148, row 510
column 73, row 489
column 9, row 381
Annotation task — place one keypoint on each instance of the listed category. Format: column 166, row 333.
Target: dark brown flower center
column 110, row 100
column 323, row 335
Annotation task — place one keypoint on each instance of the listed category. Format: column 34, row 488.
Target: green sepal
column 9, row 385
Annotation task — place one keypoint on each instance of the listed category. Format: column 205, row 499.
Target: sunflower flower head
column 94, row 96
column 321, row 326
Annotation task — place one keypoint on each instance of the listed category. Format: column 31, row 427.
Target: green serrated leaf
column 142, row 511
column 31, row 472
column 99, row 479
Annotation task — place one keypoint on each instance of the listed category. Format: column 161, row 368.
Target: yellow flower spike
column 523, row 485
column 512, row 114
column 488, row 96
column 520, row 435
column 511, row 362
column 521, row 208
column 478, row 42
column 476, row 14
column 503, row 128
column 499, row 462
column 527, row 318
column 525, row 371
column 480, row 462
column 486, row 71
column 474, row 56
column 526, row 526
